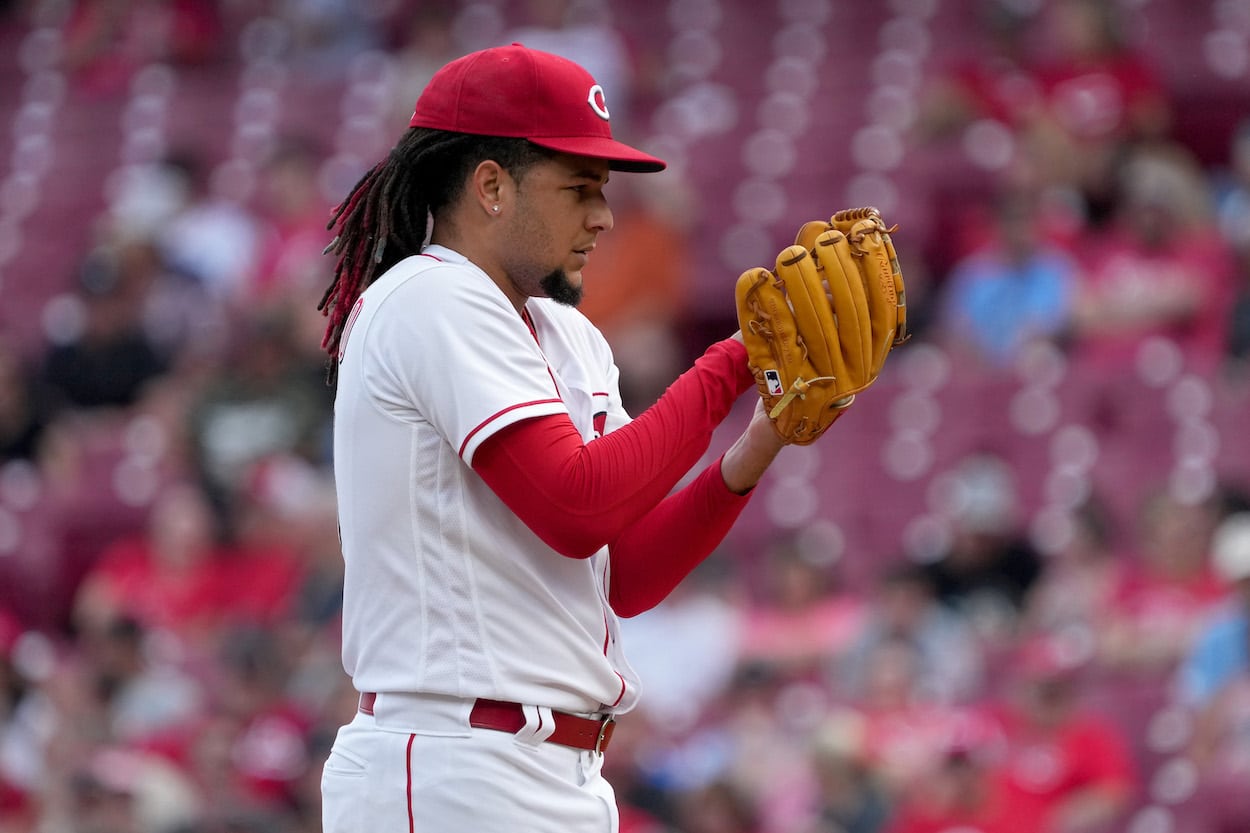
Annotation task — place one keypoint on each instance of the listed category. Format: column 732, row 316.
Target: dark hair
column 386, row 216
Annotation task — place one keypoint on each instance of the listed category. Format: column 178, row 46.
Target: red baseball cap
column 521, row 93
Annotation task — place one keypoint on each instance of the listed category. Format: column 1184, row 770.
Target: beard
column 557, row 286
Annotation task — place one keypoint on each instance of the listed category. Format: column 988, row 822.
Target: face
column 559, row 212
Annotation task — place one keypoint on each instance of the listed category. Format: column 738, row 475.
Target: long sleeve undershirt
column 579, row 496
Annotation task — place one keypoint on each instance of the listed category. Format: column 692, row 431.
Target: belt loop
column 539, row 725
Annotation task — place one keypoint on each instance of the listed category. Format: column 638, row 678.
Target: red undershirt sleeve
column 653, row 555
column 579, row 496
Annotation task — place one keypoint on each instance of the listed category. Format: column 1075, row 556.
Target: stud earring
column 495, row 208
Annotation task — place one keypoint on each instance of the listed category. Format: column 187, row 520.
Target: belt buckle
column 604, row 726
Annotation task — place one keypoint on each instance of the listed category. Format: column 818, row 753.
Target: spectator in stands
column 799, row 620
column 908, row 728
column 168, row 580
column 945, row 662
column 206, row 247
column 717, row 807
column 1078, row 582
column 269, row 750
column 428, row 42
column 1232, row 210
column 989, row 566
column 1220, row 749
column 961, row 791
column 1221, row 650
column 144, row 691
column 107, row 360
column 994, row 81
column 1066, row 768
column 1214, row 683
column 265, row 400
column 1014, row 290
column 327, row 34
column 206, row 238
column 17, row 800
column 107, row 41
column 118, row 789
column 1167, row 591
column 21, row 419
column 847, row 796
column 1099, row 96
column 292, row 531
column 1071, row 91
column 293, row 216
column 1161, row 271
column 1232, row 191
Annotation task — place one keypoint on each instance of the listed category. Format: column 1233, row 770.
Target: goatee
column 560, row 289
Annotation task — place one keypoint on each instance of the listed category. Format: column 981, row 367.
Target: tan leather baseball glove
column 819, row 327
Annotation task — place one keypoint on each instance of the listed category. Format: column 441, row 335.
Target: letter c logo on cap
column 598, row 102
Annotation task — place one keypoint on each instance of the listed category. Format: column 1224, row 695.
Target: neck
column 476, row 243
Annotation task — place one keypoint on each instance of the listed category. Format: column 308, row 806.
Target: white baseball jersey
column 446, row 590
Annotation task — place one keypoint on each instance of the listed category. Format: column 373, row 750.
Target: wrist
column 749, row 457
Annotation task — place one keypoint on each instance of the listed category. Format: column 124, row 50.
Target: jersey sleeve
column 448, row 347
column 580, row 496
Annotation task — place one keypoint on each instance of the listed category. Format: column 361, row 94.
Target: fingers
column 760, row 293
column 813, row 314
column 808, row 233
column 850, row 305
column 869, row 247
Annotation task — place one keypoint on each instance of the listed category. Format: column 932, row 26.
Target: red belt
column 571, row 730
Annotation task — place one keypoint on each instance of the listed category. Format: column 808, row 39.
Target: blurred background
column 1010, row 591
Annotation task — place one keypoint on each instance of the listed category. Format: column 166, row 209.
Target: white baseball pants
column 416, row 765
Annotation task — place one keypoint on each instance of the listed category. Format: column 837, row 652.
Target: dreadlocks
column 386, row 216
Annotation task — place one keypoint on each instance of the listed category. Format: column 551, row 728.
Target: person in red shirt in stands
column 1097, row 93
column 1159, row 270
column 960, row 794
column 1166, row 594
column 1066, row 768
column 165, row 578
column 1038, row 762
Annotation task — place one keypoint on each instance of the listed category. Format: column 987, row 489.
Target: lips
column 583, row 255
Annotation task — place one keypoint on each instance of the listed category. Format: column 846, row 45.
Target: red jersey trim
column 620, row 696
column 529, row 322
column 347, row 328
column 498, row 414
column 411, row 821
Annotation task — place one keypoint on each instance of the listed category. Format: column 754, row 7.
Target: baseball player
column 498, row 508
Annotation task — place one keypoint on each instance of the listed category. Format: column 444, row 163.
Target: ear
column 491, row 187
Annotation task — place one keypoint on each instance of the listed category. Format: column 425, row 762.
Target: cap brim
column 620, row 156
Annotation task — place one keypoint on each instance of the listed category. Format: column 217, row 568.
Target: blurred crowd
column 171, row 577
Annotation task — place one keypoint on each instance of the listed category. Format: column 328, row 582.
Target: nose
column 600, row 218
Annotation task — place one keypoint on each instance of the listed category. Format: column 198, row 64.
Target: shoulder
column 421, row 273
column 420, row 288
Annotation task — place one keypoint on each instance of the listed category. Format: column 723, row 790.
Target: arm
column 653, row 555
column 578, row 496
